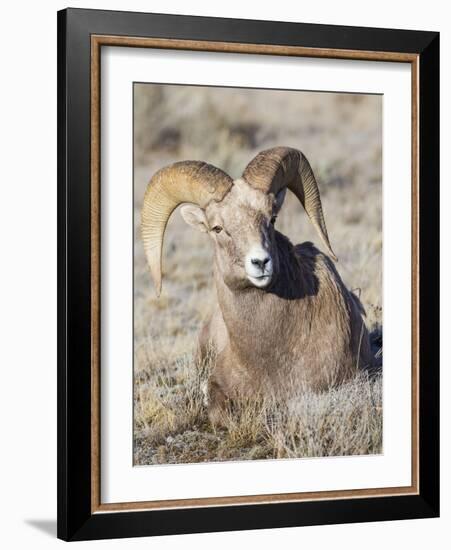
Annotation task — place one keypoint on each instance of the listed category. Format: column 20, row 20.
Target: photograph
column 257, row 276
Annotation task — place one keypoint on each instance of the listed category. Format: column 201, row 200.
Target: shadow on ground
column 46, row 526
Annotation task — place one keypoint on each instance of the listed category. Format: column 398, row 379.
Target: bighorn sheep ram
column 283, row 316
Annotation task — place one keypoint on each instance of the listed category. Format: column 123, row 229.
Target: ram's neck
column 254, row 317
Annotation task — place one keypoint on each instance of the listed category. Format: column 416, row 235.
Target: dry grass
column 172, row 424
column 341, row 136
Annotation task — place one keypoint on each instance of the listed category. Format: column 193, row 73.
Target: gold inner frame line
column 97, row 41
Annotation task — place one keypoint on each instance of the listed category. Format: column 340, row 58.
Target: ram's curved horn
column 273, row 169
column 189, row 181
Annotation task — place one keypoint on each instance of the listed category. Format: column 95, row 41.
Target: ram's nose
column 259, row 268
column 261, row 262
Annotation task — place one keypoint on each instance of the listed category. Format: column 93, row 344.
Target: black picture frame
column 76, row 521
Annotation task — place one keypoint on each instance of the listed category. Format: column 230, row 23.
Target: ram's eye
column 217, row 229
column 273, row 220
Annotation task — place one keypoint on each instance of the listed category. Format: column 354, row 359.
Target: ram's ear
column 279, row 198
column 194, row 216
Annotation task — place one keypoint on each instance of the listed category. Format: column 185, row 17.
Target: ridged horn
column 189, row 181
column 279, row 167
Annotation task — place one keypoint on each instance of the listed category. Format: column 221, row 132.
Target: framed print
column 248, row 274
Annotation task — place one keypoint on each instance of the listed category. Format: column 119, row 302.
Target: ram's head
column 238, row 215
